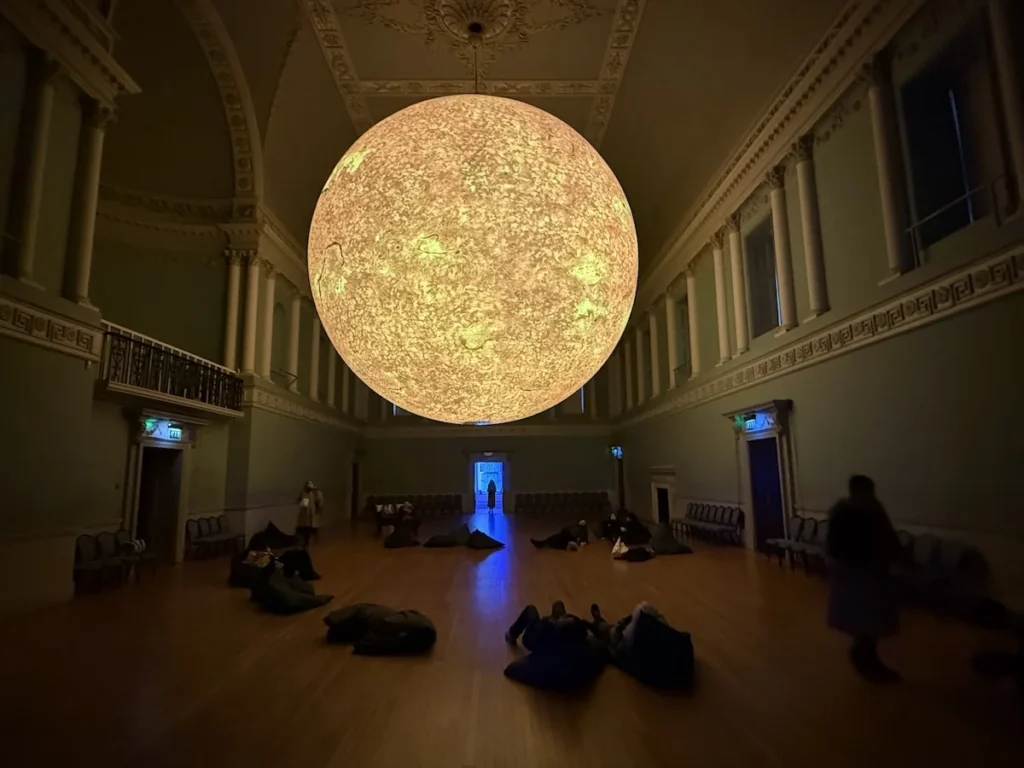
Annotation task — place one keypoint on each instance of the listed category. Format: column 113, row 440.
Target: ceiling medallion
column 476, row 31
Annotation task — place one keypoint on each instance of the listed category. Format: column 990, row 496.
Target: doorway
column 766, row 490
column 485, row 473
column 156, row 513
column 664, row 512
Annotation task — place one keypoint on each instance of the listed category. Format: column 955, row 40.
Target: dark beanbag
column 376, row 630
column 638, row 555
column 480, row 540
column 243, row 574
column 664, row 543
column 401, row 537
column 660, row 655
column 456, row 538
column 570, row 671
column 281, row 594
column 298, row 561
column 271, row 537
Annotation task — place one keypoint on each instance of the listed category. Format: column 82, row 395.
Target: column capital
column 803, row 148
column 717, row 241
column 48, row 70
column 99, row 116
column 234, row 257
column 732, row 223
column 874, row 72
column 776, row 177
column 268, row 268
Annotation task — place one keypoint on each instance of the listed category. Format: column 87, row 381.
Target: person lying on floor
column 571, row 537
column 645, row 646
column 611, row 527
column 562, row 654
column 632, row 531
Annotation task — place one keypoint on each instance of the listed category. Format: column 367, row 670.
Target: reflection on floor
column 183, row 671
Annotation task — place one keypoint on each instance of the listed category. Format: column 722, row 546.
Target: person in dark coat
column 571, row 537
column 492, row 495
column 862, row 545
column 562, row 654
column 645, row 646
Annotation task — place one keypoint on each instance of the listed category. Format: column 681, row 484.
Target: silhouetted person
column 862, row 602
column 492, row 495
column 548, row 633
column 571, row 537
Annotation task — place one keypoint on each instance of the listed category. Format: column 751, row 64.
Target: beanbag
column 659, row 655
column 664, row 543
column 480, row 540
column 299, row 562
column 456, row 538
column 271, row 537
column 283, row 595
column 569, row 671
column 376, row 630
column 246, row 568
column 637, row 555
column 400, row 537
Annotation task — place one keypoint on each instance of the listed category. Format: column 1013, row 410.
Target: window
column 952, row 138
column 762, row 280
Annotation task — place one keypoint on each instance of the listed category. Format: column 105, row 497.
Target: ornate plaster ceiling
column 666, row 89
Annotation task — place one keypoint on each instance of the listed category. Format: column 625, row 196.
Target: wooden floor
column 183, row 671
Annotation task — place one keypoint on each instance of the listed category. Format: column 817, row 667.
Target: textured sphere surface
column 473, row 259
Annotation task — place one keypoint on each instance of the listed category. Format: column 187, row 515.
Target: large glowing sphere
column 473, row 259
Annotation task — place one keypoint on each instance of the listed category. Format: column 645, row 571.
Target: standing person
column 492, row 495
column 862, row 544
column 311, row 502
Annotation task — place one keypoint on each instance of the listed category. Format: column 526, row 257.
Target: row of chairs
column 716, row 523
column 106, row 556
column 210, row 536
column 578, row 504
column 425, row 505
column 806, row 543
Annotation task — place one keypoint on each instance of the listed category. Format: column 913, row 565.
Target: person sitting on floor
column 572, row 537
column 611, row 527
column 645, row 646
column 632, row 531
column 562, row 653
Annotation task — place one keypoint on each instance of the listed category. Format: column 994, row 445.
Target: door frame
column 141, row 439
column 506, row 478
column 758, row 422
column 663, row 477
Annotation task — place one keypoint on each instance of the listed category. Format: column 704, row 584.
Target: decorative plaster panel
column 983, row 281
column 36, row 326
column 616, row 56
column 332, row 43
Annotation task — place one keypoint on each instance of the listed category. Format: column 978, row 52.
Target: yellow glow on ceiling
column 473, row 259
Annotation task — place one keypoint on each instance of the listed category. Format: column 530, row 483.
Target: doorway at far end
column 484, row 473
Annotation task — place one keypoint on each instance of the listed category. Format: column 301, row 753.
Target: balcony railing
column 139, row 362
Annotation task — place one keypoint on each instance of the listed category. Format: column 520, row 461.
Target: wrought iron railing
column 134, row 360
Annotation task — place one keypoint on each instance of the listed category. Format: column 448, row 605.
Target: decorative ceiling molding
column 434, row 431
column 25, row 322
column 190, row 210
column 963, row 289
column 477, row 32
column 616, row 56
column 57, row 26
column 862, row 29
column 227, row 70
column 328, row 33
column 581, row 88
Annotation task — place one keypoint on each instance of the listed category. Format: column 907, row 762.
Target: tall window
column 952, row 137
column 762, row 280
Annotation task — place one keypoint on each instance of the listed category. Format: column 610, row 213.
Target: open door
column 156, row 518
column 766, row 491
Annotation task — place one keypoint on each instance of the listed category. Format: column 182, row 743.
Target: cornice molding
column 943, row 297
column 510, row 88
column 258, row 395
column 616, row 56
column 25, row 322
column 862, row 29
column 166, row 208
column 55, row 27
column 236, row 100
column 441, row 431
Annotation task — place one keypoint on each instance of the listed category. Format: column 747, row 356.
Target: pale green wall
column 537, row 464
column 175, row 296
column 12, row 74
column 209, row 469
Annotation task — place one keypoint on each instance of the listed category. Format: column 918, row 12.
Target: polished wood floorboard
column 180, row 670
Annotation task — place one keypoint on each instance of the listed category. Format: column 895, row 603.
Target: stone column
column 346, row 388
column 1001, row 27
column 45, row 86
column 721, row 298
column 627, row 353
column 332, row 366
column 267, row 342
column 783, row 254
column 591, row 397
column 671, row 340
column 231, row 321
column 252, row 295
column 641, row 374
column 614, row 367
column 887, row 158
column 294, row 318
column 810, row 221
column 739, row 286
column 691, row 316
column 652, row 322
column 314, row 359
column 82, row 230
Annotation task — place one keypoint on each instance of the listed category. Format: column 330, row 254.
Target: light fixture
column 473, row 259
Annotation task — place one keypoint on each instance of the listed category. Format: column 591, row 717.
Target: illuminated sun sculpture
column 473, row 259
